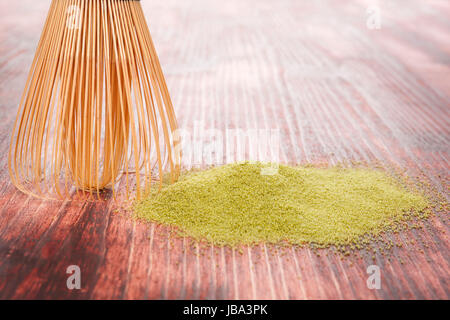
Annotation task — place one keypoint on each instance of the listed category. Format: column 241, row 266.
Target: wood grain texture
column 336, row 90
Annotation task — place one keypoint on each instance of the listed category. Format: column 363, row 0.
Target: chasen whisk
column 95, row 106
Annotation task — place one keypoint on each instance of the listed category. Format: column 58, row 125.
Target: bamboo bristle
column 95, row 105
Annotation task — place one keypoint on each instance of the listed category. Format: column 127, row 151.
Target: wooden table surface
column 336, row 89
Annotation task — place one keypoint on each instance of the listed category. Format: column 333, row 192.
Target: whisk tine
column 95, row 106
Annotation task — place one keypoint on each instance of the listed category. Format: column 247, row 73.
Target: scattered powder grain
column 234, row 204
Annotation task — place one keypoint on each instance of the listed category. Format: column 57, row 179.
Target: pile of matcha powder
column 236, row 204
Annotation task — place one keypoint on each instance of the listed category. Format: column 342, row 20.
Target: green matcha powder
column 235, row 204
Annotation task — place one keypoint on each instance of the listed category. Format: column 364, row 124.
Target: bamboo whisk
column 95, row 106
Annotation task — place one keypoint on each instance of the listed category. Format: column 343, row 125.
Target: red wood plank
column 336, row 90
